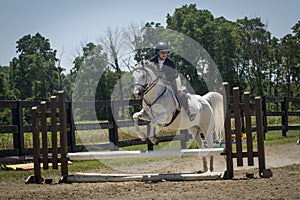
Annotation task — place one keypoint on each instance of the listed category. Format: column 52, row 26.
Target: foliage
column 244, row 51
column 34, row 74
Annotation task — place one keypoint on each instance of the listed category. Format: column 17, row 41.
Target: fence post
column 72, row 128
column 113, row 132
column 184, row 138
column 17, row 119
column 284, row 116
column 228, row 140
column 149, row 144
column 63, row 134
column 265, row 119
column 238, row 128
column 44, row 135
column 263, row 172
column 37, row 177
column 54, row 132
column 248, row 129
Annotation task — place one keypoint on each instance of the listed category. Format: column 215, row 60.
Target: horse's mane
column 150, row 66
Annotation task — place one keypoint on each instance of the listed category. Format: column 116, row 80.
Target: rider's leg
column 182, row 97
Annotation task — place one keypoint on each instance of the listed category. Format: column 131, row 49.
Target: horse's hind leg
column 197, row 138
column 210, row 144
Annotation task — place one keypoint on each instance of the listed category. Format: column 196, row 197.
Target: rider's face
column 163, row 54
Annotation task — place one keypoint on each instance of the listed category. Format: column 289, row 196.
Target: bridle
column 148, row 83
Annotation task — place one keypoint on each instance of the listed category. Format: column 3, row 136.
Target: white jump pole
column 93, row 178
column 142, row 154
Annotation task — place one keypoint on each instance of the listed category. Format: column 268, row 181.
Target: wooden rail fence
column 19, row 126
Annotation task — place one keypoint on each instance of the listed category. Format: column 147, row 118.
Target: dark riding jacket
column 168, row 69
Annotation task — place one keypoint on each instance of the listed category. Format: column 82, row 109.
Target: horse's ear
column 133, row 67
column 142, row 63
column 147, row 62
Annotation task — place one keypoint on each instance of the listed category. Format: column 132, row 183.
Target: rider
column 167, row 67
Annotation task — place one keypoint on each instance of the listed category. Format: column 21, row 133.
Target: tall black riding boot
column 184, row 102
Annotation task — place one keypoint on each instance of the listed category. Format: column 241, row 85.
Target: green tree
column 219, row 37
column 2, row 83
column 34, row 73
column 295, row 67
column 225, row 50
column 255, row 45
column 87, row 70
column 90, row 79
column 290, row 64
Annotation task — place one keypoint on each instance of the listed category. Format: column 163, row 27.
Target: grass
column 275, row 137
column 272, row 138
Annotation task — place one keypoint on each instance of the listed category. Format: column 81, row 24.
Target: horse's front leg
column 160, row 119
column 140, row 115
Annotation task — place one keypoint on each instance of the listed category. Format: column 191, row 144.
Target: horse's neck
column 156, row 88
column 151, row 74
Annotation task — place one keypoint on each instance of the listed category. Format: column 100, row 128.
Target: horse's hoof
column 153, row 140
column 201, row 171
column 205, row 170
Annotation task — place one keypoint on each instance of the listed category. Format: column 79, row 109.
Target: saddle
column 190, row 107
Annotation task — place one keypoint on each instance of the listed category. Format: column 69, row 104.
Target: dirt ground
column 284, row 161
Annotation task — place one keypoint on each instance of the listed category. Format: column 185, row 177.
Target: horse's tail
column 215, row 100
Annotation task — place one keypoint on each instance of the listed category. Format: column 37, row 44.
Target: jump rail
column 142, row 154
column 90, row 177
column 58, row 110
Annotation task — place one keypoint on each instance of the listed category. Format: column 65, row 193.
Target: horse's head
column 142, row 76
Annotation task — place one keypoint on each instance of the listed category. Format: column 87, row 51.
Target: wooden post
column 228, row 140
column 113, row 132
column 54, row 132
column 263, row 172
column 150, row 146
column 44, row 135
column 71, row 132
column 284, row 116
column 265, row 118
column 184, row 138
column 63, row 134
column 248, row 128
column 238, row 128
column 17, row 119
column 37, row 177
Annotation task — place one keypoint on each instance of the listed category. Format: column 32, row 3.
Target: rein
column 148, row 104
column 149, row 87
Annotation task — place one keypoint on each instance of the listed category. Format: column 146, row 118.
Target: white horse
column 160, row 107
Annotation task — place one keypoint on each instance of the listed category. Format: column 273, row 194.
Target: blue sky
column 68, row 23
